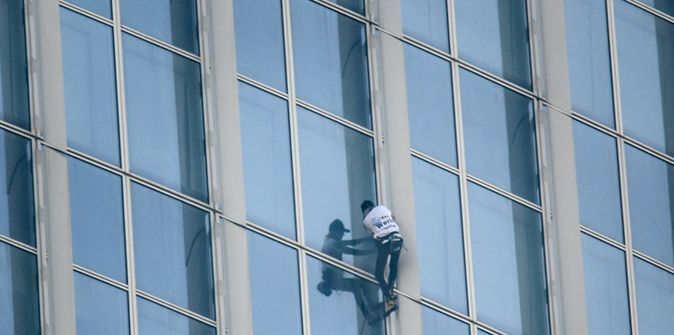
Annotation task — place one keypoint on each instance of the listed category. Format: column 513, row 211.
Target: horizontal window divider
column 4, row 125
column 489, row 329
column 648, row 149
column 87, row 13
column 344, row 11
column 435, row 162
column 161, row 44
column 176, row 308
column 17, row 244
column 555, row 108
column 601, row 237
column 594, row 124
column 651, row 10
column 262, row 86
column 333, row 117
column 102, row 278
column 506, row 194
column 438, row 307
column 653, row 261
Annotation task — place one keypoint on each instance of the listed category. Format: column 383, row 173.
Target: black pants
column 388, row 247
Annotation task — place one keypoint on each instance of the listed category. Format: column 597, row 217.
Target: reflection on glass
column 14, row 105
column 655, row 293
column 426, row 20
column 345, row 305
column 337, row 167
column 101, row 308
column 267, row 169
column 165, row 120
column 430, row 105
column 259, row 41
column 439, row 235
column 589, row 60
column 354, row 5
column 605, row 288
column 646, row 63
column 172, row 246
column 435, row 323
column 509, row 270
column 666, row 6
column 172, row 21
column 330, row 56
column 493, row 35
column 17, row 212
column 500, row 136
column 157, row 320
column 89, row 86
column 598, row 181
column 275, row 294
column 97, row 218
column 19, row 300
column 100, row 7
column 650, row 184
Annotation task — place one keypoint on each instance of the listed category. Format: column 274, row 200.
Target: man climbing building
column 379, row 221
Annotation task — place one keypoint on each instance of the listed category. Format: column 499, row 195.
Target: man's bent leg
column 396, row 247
column 382, row 257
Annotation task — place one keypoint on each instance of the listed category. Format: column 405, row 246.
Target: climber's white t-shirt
column 380, row 222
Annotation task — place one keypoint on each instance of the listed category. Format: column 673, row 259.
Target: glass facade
column 157, row 225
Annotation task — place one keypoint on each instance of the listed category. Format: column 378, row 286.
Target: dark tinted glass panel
column 267, row 163
column 101, row 308
column 589, row 60
column 598, row 181
column 646, row 62
column 157, row 320
column 172, row 21
column 493, row 35
column 426, row 20
column 165, row 119
column 259, row 41
column 508, row 262
column 353, row 307
column 439, row 235
column 89, row 86
column 172, row 246
column 19, row 299
column 97, row 218
column 435, row 323
column 275, row 294
column 655, row 293
column 330, row 55
column 14, row 106
column 100, row 7
column 17, row 212
column 500, row 136
column 337, row 166
column 605, row 288
column 650, row 184
column 430, row 105
column 666, row 6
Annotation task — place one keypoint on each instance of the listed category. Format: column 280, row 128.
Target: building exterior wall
column 173, row 167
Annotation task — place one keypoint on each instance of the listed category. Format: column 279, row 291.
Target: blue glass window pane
column 172, row 21
column 19, row 299
column 275, row 294
column 354, row 5
column 666, row 6
column 100, row 7
column 172, row 246
column 500, row 136
column 17, row 212
column 650, row 184
column 267, row 163
column 426, row 20
column 589, row 60
column 439, row 235
column 89, row 86
column 655, row 293
column 101, row 308
column 605, row 288
column 646, row 63
column 337, row 166
column 430, row 105
column 164, row 116
column 157, row 320
column 259, row 41
column 493, row 35
column 344, row 311
column 435, row 323
column 508, row 262
column 330, row 54
column 97, row 217
column 598, row 181
column 14, row 105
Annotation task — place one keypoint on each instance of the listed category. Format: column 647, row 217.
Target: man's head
column 366, row 207
column 337, row 228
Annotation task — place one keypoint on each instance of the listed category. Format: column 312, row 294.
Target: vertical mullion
column 451, row 20
column 533, row 63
